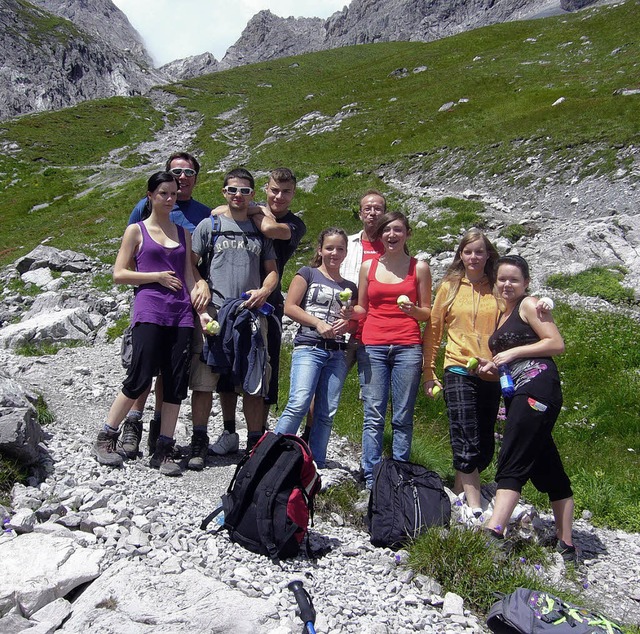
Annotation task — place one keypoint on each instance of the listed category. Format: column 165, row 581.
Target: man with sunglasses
column 287, row 234
column 242, row 261
column 187, row 213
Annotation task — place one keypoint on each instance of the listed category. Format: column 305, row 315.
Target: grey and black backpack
column 534, row 612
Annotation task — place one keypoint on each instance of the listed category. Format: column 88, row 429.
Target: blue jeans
column 380, row 368
column 320, row 373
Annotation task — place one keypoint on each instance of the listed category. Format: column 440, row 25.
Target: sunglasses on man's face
column 179, row 171
column 244, row 191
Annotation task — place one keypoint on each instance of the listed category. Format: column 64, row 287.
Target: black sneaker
column 105, row 449
column 199, row 450
column 131, row 435
column 162, row 459
column 569, row 553
column 154, row 432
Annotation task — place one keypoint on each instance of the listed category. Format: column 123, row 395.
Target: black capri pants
column 164, row 348
column 528, row 450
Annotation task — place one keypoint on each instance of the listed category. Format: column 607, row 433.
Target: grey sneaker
column 154, row 432
column 105, row 449
column 497, row 544
column 162, row 459
column 227, row 443
column 199, row 450
column 131, row 435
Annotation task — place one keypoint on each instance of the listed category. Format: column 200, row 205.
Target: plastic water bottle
column 266, row 308
column 506, row 381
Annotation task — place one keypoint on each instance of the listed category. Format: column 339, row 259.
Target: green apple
column 213, row 327
column 403, row 299
column 345, row 295
column 435, row 390
column 472, row 363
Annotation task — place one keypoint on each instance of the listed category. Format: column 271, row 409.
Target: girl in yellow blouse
column 466, row 308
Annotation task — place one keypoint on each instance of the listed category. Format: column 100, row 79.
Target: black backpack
column 405, row 500
column 532, row 612
column 269, row 501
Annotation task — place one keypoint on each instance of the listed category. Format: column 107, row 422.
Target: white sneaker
column 227, row 443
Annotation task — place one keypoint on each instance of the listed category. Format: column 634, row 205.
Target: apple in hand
column 403, row 299
column 213, row 327
column 345, row 295
column 435, row 390
column 472, row 363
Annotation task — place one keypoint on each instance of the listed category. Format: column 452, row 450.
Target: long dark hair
column 155, row 180
column 331, row 231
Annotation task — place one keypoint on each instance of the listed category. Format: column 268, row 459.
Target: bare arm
column 422, row 310
column 360, row 311
column 550, row 344
column 268, row 225
column 258, row 296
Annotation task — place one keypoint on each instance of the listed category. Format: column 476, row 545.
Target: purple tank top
column 154, row 303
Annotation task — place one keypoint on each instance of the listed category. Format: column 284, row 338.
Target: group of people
column 362, row 300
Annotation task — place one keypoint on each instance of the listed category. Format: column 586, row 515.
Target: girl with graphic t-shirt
column 155, row 257
column 391, row 357
column 318, row 366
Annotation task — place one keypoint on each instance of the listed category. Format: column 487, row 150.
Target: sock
column 252, row 438
column 112, row 431
column 134, row 415
column 230, row 426
column 165, row 439
column 157, row 416
column 199, row 431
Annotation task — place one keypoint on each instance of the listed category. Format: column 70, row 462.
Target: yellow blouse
column 469, row 320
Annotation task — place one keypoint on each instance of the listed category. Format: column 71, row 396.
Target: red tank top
column 386, row 324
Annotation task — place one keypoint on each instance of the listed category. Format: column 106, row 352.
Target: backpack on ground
column 269, row 501
column 532, row 612
column 405, row 500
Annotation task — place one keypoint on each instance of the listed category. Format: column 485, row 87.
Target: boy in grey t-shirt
column 243, row 261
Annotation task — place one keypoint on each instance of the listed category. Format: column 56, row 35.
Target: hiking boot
column 199, row 451
column 154, row 432
column 497, row 543
column 227, row 443
column 162, row 459
column 105, row 449
column 568, row 553
column 131, row 435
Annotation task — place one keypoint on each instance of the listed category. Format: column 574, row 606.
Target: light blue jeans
column 380, row 368
column 320, row 373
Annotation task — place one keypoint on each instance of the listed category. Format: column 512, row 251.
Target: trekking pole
column 305, row 610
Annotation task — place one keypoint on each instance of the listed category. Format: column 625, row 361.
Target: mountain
column 59, row 53
column 268, row 36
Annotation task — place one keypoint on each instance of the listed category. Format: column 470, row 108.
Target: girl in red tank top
column 394, row 295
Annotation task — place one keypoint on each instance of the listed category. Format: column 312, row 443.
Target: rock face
column 191, row 66
column 50, row 62
column 267, row 36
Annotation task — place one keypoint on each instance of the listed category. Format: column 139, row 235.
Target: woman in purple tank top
column 155, row 257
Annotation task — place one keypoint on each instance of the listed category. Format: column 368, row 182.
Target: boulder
column 39, row 568
column 50, row 257
column 147, row 600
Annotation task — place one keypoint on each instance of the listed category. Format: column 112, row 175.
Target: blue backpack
column 534, row 612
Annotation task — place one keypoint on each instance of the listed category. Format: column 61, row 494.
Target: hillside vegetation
column 344, row 115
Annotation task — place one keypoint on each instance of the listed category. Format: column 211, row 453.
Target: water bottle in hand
column 506, row 381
